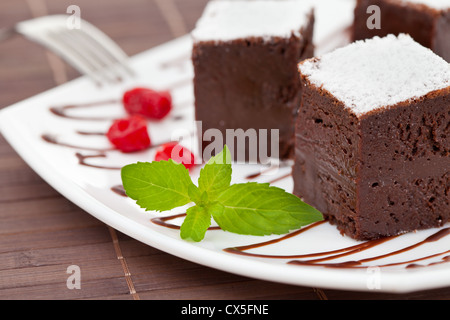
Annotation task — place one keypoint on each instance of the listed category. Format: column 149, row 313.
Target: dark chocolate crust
column 429, row 27
column 382, row 174
column 251, row 84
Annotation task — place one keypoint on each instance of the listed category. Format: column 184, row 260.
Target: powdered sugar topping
column 380, row 72
column 226, row 20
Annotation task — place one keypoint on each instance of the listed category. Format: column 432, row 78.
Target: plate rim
column 315, row 277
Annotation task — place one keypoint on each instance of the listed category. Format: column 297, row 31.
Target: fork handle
column 6, row 33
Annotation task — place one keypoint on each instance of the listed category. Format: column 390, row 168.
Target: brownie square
column 427, row 21
column 373, row 137
column 245, row 58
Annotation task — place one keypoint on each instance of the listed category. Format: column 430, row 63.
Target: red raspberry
column 149, row 103
column 129, row 135
column 177, row 153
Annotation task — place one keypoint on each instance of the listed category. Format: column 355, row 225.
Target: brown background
column 42, row 233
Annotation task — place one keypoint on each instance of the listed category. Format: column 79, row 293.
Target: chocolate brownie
column 427, row 21
column 245, row 59
column 373, row 137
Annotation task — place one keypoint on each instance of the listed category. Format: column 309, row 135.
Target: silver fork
column 87, row 49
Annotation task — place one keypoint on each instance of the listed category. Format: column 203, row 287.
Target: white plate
column 168, row 66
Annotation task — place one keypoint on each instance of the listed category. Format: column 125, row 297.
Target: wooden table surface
column 42, row 233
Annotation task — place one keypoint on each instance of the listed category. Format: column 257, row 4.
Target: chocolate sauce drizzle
column 88, row 133
column 328, row 255
column 82, row 161
column 54, row 140
column 120, row 190
column 370, row 244
column 162, row 221
column 265, row 171
column 260, row 173
column 63, row 111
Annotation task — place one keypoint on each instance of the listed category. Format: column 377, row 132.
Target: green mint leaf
column 215, row 177
column 157, row 186
column 259, row 209
column 196, row 223
column 194, row 194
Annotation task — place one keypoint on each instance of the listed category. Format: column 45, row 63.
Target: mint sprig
column 246, row 208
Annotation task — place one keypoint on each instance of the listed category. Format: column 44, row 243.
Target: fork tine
column 96, row 59
column 53, row 42
column 110, row 65
column 102, row 43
